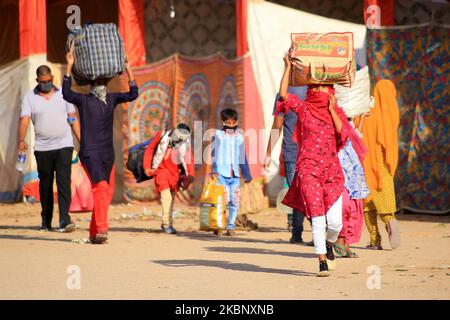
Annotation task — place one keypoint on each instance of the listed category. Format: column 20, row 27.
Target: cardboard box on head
column 322, row 58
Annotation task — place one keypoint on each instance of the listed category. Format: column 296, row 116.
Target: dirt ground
column 138, row 264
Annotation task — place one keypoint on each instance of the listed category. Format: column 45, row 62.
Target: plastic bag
column 213, row 215
column 355, row 100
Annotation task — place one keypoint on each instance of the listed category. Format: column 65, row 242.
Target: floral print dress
column 319, row 181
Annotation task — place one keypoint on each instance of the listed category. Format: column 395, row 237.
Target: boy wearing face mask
column 228, row 156
column 53, row 148
column 168, row 159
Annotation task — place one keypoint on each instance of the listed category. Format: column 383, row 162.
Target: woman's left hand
column 331, row 103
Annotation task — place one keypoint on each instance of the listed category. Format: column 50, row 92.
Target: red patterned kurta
column 319, row 180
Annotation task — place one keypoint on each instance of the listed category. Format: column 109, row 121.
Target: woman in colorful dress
column 351, row 158
column 322, row 130
column 379, row 129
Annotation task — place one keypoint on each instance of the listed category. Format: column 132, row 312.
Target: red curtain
column 131, row 26
column 379, row 11
column 241, row 19
column 253, row 115
column 9, row 34
column 32, row 27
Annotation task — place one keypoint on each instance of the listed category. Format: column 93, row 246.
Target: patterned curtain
column 416, row 59
column 175, row 90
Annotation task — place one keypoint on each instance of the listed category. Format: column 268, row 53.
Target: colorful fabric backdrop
column 416, row 60
column 178, row 90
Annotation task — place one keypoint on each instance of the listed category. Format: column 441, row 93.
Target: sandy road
column 137, row 264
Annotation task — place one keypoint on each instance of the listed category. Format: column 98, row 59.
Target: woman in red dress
column 322, row 129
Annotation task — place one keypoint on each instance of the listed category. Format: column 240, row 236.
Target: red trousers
column 103, row 193
column 352, row 218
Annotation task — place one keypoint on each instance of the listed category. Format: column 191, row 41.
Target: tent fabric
column 9, row 36
column 98, row 11
column 32, row 27
column 12, row 88
column 16, row 79
column 131, row 27
column 193, row 91
column 415, row 58
column 269, row 29
column 241, row 30
column 379, row 9
column 254, row 118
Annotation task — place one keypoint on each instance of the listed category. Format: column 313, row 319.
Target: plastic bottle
column 20, row 163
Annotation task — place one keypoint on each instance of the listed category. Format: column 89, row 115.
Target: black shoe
column 330, row 252
column 168, row 230
column 44, row 227
column 231, row 232
column 294, row 240
column 323, row 269
column 331, row 259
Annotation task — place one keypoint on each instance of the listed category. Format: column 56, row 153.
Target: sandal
column 341, row 251
column 374, row 247
column 351, row 254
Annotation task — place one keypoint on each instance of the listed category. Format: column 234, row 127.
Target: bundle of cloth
column 98, row 50
column 356, row 100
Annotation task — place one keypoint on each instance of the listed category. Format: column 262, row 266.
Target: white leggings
column 332, row 223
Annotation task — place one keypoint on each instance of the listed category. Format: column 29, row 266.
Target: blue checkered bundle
column 98, row 52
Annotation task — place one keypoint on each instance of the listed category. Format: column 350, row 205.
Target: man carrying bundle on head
column 96, row 111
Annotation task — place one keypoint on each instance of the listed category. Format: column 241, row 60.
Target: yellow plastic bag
column 213, row 215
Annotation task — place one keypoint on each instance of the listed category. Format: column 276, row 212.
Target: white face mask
column 99, row 92
column 178, row 137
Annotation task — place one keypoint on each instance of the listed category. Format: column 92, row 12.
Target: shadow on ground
column 20, row 237
column 405, row 215
column 230, row 266
column 208, row 236
column 31, row 228
column 262, row 251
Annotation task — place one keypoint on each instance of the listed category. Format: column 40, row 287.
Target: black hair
column 43, row 70
column 184, row 126
column 100, row 81
column 227, row 114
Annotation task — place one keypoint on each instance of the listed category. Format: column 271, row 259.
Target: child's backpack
column 135, row 160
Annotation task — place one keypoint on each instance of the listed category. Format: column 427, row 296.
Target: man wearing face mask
column 169, row 160
column 96, row 111
column 49, row 113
